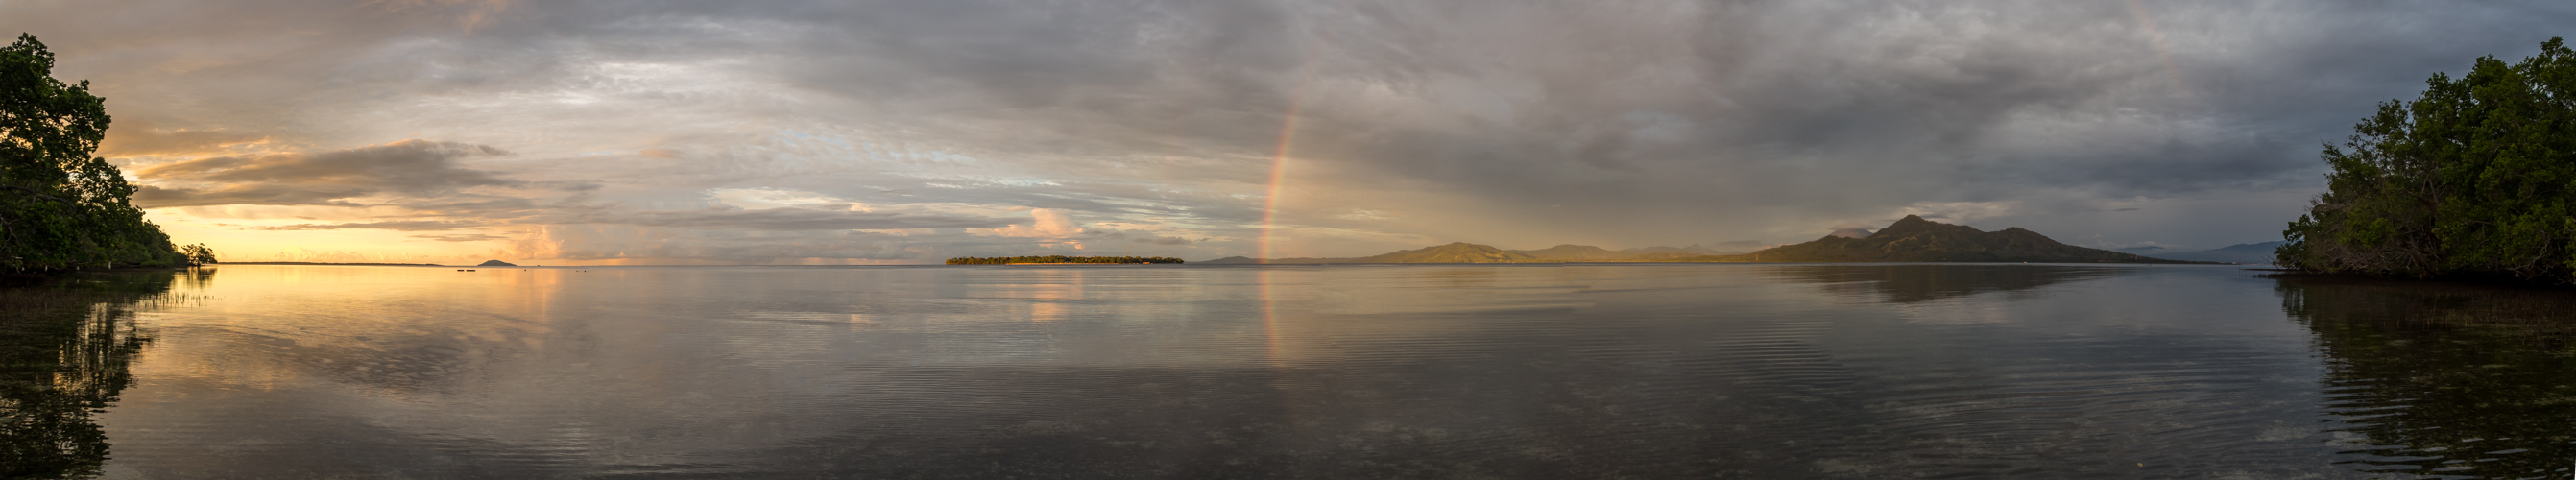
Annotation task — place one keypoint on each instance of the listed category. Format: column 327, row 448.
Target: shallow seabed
column 1424, row 371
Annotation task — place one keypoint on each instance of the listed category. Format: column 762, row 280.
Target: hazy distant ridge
column 1913, row 239
column 1463, row 252
column 2238, row 253
column 1460, row 252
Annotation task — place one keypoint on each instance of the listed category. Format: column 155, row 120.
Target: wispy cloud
column 399, row 225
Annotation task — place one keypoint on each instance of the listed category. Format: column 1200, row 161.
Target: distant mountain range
column 1463, row 252
column 1911, row 239
column 2238, row 253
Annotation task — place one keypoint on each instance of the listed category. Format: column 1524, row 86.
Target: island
column 1911, row 239
column 1060, row 260
column 495, row 263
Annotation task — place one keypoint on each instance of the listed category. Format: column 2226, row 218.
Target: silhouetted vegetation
column 61, row 208
column 2475, row 177
column 197, row 254
column 1057, row 259
column 65, row 348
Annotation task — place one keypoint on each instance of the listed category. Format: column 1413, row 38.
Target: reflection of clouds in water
column 1957, row 312
column 1556, row 371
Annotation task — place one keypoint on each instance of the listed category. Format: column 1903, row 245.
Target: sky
column 585, row 132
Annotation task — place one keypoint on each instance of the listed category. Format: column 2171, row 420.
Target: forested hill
column 1914, row 239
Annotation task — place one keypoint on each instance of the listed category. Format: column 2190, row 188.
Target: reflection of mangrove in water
column 1924, row 283
column 2451, row 380
column 65, row 345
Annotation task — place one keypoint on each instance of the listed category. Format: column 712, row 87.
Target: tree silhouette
column 61, row 208
column 198, row 254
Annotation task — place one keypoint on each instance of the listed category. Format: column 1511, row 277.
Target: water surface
column 1577, row 371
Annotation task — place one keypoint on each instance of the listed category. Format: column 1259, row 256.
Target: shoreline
column 1073, row 263
column 322, row 263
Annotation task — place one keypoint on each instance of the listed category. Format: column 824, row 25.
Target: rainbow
column 1279, row 170
column 2156, row 38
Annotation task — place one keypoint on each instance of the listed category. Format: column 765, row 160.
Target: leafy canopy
column 2475, row 177
column 61, row 208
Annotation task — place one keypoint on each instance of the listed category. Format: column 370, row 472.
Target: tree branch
column 33, row 193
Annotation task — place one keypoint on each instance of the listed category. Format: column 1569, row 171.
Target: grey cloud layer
column 409, row 168
column 1520, row 123
column 426, row 179
column 783, row 219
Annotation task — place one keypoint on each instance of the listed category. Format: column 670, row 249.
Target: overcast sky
column 637, row 131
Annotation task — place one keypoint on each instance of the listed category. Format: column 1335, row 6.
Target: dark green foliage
column 61, row 208
column 1913, row 239
column 2473, row 178
column 1057, row 259
column 197, row 254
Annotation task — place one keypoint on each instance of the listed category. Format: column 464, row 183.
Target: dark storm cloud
column 1646, row 122
column 1623, row 111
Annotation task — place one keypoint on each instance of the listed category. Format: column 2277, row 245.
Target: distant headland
column 350, row 264
column 489, row 263
column 1060, row 260
column 1911, row 239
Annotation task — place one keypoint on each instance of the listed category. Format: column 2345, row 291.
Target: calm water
column 1616, row 371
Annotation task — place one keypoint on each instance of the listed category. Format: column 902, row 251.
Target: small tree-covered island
column 1058, row 259
column 2474, row 179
